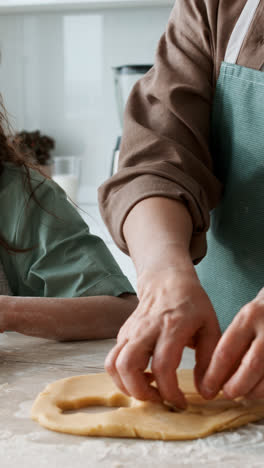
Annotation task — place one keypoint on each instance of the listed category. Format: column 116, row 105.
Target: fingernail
column 208, row 391
column 174, row 406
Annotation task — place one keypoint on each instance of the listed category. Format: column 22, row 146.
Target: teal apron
column 233, row 271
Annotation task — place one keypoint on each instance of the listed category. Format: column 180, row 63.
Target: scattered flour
column 4, row 387
column 111, row 453
column 24, row 409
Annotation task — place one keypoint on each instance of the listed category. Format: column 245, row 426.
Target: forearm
column 81, row 318
column 158, row 232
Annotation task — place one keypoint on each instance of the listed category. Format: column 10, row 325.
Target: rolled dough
column 134, row 418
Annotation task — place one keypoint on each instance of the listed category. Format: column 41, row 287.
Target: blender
column 125, row 77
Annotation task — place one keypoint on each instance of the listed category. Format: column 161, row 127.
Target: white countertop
column 22, row 6
column 29, row 364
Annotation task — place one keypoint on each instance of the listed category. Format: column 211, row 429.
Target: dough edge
column 134, row 419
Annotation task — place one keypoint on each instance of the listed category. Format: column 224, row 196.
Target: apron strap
column 240, row 31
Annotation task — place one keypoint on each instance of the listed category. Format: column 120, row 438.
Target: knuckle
column 124, row 331
column 109, row 366
column 173, row 323
column 170, row 320
column 250, row 312
column 223, row 355
column 255, row 363
column 123, row 365
column 160, row 366
column 121, row 336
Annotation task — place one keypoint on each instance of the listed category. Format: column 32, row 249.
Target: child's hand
column 4, row 313
column 237, row 364
column 174, row 312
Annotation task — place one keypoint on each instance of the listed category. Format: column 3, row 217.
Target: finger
column 226, row 357
column 110, row 366
column 131, row 363
column 249, row 373
column 206, row 342
column 166, row 359
column 257, row 392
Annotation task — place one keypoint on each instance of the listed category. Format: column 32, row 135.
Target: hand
column 237, row 363
column 174, row 312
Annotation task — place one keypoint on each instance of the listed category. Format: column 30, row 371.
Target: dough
column 136, row 418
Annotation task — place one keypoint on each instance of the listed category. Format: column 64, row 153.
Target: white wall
column 55, row 74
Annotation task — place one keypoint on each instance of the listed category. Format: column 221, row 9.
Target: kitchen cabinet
column 23, row 6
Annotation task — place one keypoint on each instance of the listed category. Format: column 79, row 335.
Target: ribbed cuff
column 111, row 285
column 116, row 204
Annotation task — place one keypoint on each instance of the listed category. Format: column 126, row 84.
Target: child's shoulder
column 27, row 193
column 21, row 182
column 34, row 201
column 16, row 176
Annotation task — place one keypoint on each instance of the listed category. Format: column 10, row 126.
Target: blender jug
column 125, row 77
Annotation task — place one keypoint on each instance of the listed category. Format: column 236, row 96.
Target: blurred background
column 57, row 77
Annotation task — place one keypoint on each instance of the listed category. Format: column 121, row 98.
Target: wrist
column 165, row 256
column 178, row 265
column 158, row 233
column 151, row 282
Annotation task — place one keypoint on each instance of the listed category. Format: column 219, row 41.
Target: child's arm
column 80, row 318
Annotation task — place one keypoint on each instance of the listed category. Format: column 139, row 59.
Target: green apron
column 233, row 271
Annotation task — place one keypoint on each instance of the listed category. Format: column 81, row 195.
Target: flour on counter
column 4, row 387
column 109, row 453
column 24, row 409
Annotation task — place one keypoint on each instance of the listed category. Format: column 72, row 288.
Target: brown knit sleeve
column 165, row 145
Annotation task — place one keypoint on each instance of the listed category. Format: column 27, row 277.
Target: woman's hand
column 237, row 364
column 174, row 312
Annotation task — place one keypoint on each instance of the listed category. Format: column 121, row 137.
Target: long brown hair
column 10, row 152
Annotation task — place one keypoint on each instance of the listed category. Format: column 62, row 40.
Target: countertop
column 29, row 364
